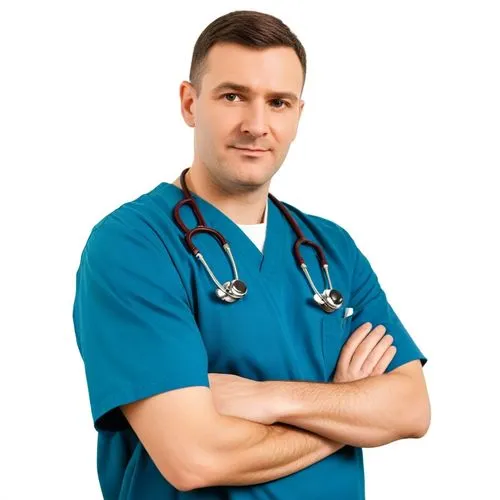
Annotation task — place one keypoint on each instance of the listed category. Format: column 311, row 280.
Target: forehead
column 270, row 68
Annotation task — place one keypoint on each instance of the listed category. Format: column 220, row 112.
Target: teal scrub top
column 147, row 321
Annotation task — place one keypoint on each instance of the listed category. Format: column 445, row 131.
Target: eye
column 225, row 95
column 287, row 104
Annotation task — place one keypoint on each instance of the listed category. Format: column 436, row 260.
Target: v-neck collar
column 242, row 247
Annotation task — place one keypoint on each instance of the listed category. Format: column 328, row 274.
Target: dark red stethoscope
column 231, row 291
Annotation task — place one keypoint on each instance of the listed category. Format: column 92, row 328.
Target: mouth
column 250, row 151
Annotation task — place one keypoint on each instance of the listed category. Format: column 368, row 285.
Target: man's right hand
column 366, row 353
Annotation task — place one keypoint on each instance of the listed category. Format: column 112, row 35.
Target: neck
column 242, row 208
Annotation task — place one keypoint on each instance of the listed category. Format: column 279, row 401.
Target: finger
column 364, row 349
column 352, row 343
column 377, row 352
column 385, row 360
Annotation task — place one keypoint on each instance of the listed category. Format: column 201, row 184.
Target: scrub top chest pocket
column 336, row 329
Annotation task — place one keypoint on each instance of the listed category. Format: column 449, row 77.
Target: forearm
column 368, row 412
column 245, row 452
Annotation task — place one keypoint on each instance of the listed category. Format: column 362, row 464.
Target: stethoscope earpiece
column 231, row 291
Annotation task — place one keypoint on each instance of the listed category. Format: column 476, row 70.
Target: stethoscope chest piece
column 329, row 300
column 233, row 290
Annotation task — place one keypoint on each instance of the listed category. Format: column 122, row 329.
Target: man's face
column 264, row 116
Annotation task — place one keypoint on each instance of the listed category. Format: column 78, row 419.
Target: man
column 271, row 395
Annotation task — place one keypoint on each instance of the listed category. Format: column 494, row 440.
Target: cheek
column 282, row 130
column 288, row 132
column 219, row 132
column 221, row 120
column 211, row 137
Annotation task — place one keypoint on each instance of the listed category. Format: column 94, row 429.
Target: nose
column 255, row 120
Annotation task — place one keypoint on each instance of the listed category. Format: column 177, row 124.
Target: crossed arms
column 242, row 432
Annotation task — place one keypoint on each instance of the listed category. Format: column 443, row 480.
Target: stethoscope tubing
column 202, row 227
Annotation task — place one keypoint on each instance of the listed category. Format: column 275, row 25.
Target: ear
column 188, row 103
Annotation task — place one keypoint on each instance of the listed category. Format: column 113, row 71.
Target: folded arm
column 200, row 447
column 369, row 412
column 251, row 453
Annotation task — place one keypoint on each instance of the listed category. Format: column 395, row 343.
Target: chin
column 247, row 171
column 251, row 178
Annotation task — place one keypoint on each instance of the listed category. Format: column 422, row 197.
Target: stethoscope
column 232, row 291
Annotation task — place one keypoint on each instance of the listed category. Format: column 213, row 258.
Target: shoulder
column 316, row 220
column 327, row 230
column 130, row 226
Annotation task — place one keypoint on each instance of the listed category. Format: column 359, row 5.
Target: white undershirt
column 256, row 232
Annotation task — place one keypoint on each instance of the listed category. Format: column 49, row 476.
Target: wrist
column 278, row 404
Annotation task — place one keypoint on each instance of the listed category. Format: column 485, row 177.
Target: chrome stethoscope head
column 233, row 290
column 330, row 300
column 230, row 291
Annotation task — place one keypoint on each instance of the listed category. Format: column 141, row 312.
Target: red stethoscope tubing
column 202, row 226
column 329, row 300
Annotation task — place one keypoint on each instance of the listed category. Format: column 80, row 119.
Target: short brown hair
column 244, row 27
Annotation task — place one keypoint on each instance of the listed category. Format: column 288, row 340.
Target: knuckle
column 354, row 360
column 361, row 351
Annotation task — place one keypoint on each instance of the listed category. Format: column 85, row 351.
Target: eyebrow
column 247, row 90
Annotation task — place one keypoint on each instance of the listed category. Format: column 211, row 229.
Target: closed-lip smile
column 250, row 149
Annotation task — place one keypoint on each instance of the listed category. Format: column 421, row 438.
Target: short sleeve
column 135, row 329
column 370, row 304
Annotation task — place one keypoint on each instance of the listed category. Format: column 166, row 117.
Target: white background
column 398, row 143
